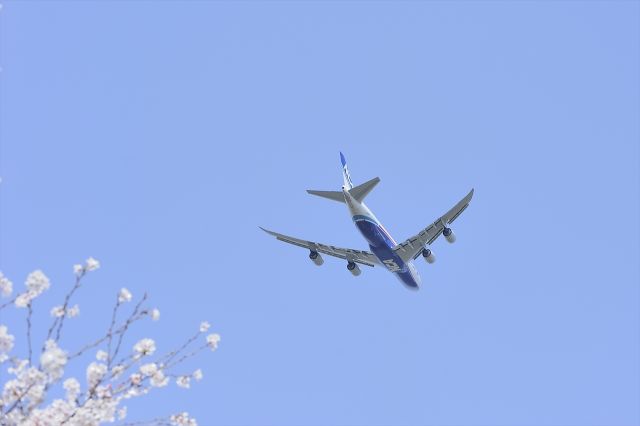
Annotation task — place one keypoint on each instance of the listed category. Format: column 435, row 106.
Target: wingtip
column 470, row 194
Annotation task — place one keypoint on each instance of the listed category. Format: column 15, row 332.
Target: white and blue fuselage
column 380, row 242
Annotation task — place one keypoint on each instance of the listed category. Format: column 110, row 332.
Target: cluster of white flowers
column 72, row 386
column 183, row 419
column 149, row 369
column 184, row 381
column 145, row 347
column 95, row 373
column 91, row 264
column 53, row 360
column 36, row 283
column 6, row 343
column 136, row 379
column 73, row 311
column 159, row 380
column 28, row 387
column 124, row 295
column 213, row 340
column 24, row 398
column 117, row 371
column 78, row 269
column 6, row 286
column 59, row 311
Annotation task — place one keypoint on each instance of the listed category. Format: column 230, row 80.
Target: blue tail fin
column 348, row 184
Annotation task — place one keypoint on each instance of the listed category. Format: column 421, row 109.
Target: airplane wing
column 412, row 247
column 357, row 256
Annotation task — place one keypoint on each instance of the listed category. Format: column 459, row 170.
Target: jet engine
column 316, row 258
column 428, row 255
column 449, row 235
column 354, row 269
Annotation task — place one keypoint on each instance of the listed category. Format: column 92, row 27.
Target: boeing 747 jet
column 397, row 258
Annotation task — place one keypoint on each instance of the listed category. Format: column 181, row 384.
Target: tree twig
column 29, row 329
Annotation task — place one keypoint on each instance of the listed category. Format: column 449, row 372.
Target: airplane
column 397, row 258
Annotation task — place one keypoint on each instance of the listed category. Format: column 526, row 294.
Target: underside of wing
column 358, row 256
column 412, row 247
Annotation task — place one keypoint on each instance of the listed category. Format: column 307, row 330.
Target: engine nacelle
column 449, row 235
column 316, row 258
column 428, row 255
column 354, row 269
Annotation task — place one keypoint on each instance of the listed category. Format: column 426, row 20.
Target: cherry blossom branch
column 58, row 320
column 105, row 390
column 113, row 321
column 187, row 356
column 118, row 331
column 30, row 312
column 168, row 357
column 126, row 326
column 11, row 302
column 18, row 400
column 66, row 303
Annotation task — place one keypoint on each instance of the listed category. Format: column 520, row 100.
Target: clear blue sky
column 157, row 137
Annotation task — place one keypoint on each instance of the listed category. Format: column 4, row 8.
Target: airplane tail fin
column 348, row 184
column 358, row 192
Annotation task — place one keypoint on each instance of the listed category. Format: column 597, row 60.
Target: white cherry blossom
column 6, row 286
column 78, row 270
column 95, row 373
column 197, row 374
column 145, row 347
column 204, row 326
column 136, row 379
column 6, row 342
column 183, row 419
column 72, row 386
column 149, row 369
column 53, row 360
column 37, row 282
column 213, row 340
column 73, row 311
column 23, row 299
column 124, row 295
column 159, row 380
column 184, row 381
column 117, row 370
column 92, row 264
column 57, row 311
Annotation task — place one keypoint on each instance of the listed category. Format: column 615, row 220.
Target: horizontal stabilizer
column 361, row 191
column 332, row 195
column 357, row 192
